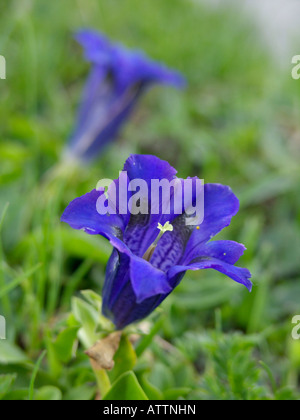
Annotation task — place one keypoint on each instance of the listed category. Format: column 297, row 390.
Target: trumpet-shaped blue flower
column 145, row 265
column 117, row 80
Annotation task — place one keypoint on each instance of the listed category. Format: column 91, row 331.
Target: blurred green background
column 237, row 123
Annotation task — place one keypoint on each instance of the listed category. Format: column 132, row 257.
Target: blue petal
column 148, row 167
column 118, row 79
column 132, row 288
column 101, row 116
column 82, row 214
column 128, row 67
column 227, row 251
column 142, row 229
column 220, row 205
column 238, row 274
column 96, row 90
column 146, row 280
column 97, row 47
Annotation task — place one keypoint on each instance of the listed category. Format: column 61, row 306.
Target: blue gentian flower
column 144, row 268
column 117, row 80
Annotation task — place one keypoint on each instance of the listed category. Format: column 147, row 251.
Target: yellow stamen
column 163, row 229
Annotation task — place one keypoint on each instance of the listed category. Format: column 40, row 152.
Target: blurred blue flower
column 117, row 80
column 145, row 267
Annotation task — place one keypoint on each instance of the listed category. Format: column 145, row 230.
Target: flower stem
column 102, row 378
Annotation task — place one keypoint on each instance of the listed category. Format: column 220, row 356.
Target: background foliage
column 237, row 124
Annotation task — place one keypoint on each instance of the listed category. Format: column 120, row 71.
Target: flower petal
column 128, row 66
column 220, row 205
column 82, row 214
column 117, row 80
column 227, row 251
column 96, row 46
column 101, row 116
column 137, row 67
column 146, row 280
column 148, row 167
column 124, row 299
column 142, row 228
column 238, row 274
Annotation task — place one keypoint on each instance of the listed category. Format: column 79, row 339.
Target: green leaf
column 93, row 298
column 286, row 394
column 125, row 358
column 3, row 214
column 95, row 301
column 161, row 376
column 48, row 393
column 175, row 393
column 34, row 375
column 6, row 382
column 81, row 393
column 88, row 317
column 126, row 388
column 17, row 395
column 150, row 390
column 9, row 354
column 64, row 344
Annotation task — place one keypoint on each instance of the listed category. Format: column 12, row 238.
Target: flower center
column 163, row 229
